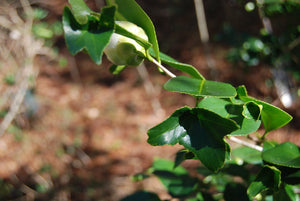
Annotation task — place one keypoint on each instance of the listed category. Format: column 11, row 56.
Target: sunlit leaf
column 169, row 131
column 286, row 154
column 199, row 87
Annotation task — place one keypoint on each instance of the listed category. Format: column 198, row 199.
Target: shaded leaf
column 92, row 37
column 141, row 195
column 235, row 192
column 236, row 170
column 176, row 180
column 252, row 110
column 236, row 112
column 183, row 155
column 199, row 87
column 268, row 178
column 271, row 116
column 205, row 132
column 200, row 131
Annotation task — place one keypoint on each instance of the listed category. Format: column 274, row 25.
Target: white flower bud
column 122, row 50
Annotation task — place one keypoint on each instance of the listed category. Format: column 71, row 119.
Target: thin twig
column 245, row 143
column 170, row 74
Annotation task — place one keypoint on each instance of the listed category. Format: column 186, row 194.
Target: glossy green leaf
column 92, row 37
column 81, row 11
column 271, row 116
column 176, row 180
column 286, row 154
column 129, row 10
column 186, row 68
column 169, row 131
column 247, row 154
column 199, row 87
column 268, row 178
column 236, row 112
column 141, row 195
column 200, row 131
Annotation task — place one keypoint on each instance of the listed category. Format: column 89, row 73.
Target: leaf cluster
column 221, row 111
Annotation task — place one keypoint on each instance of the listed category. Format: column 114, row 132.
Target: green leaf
column 81, row 11
column 236, row 112
column 199, row 87
column 200, row 131
column 189, row 69
column 252, row 110
column 93, row 36
column 247, row 154
column 183, row 155
column 142, row 195
column 169, row 131
column 268, row 178
column 176, row 180
column 269, row 145
column 116, row 69
column 129, row 10
column 271, row 116
column 286, row 154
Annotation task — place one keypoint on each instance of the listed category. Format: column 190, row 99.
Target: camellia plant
column 267, row 170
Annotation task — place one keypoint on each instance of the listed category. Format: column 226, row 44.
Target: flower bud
column 122, row 50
